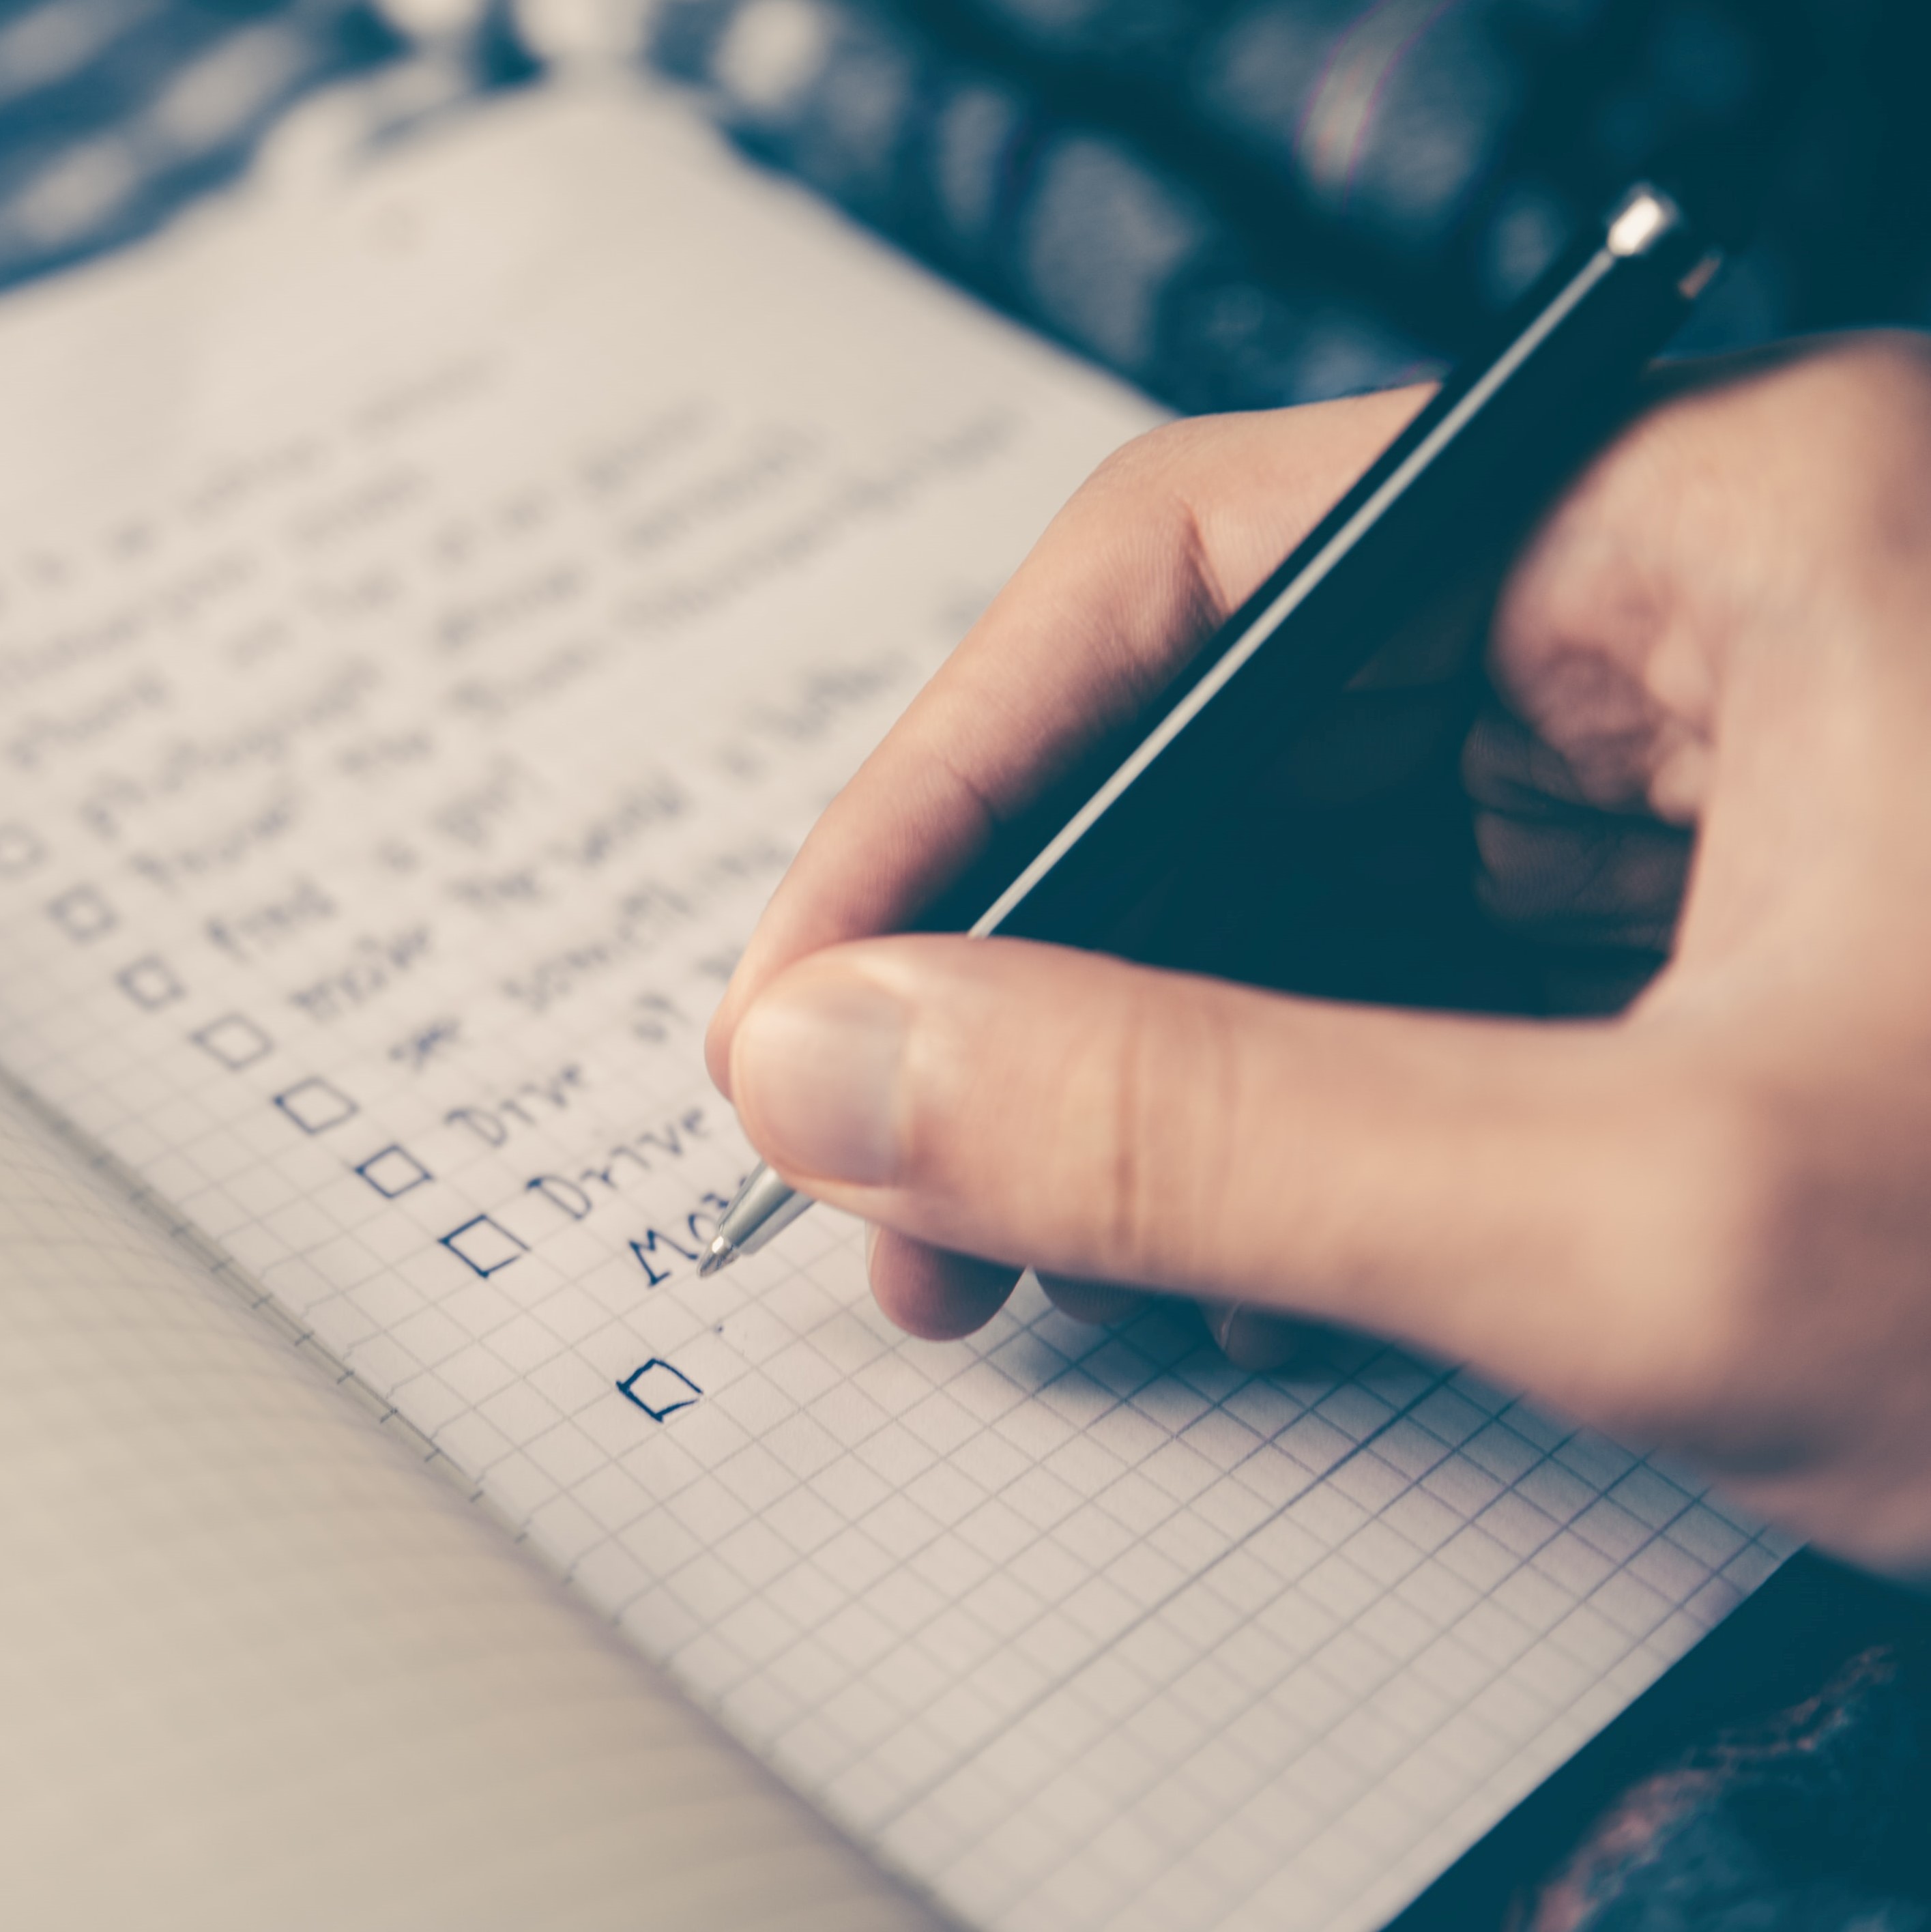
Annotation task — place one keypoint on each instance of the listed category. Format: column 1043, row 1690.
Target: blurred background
column 1231, row 202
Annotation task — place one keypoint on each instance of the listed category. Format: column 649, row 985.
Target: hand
column 1704, row 1224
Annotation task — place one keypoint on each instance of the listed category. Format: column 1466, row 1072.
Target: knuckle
column 1859, row 408
column 1165, row 1102
column 1122, row 1104
column 1138, row 475
column 1150, row 458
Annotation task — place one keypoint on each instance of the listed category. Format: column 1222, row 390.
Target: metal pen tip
column 717, row 1256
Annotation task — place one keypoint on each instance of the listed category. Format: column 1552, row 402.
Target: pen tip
column 719, row 1255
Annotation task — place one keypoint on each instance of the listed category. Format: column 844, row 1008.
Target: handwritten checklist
column 405, row 722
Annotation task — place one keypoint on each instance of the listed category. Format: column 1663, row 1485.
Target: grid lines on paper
column 1049, row 1616
column 1078, row 1628
column 1081, row 1627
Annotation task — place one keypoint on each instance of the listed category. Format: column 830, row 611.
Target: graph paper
column 458, row 603
column 259, row 1670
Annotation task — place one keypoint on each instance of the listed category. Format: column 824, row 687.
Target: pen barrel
column 1418, row 544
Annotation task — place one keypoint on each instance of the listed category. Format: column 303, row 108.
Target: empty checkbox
column 149, row 983
column 394, row 1171
column 234, row 1041
column 83, row 914
column 483, row 1245
column 658, row 1389
column 315, row 1106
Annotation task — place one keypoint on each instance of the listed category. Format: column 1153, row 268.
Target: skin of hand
column 1704, row 1224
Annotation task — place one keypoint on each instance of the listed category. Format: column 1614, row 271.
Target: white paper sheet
column 427, row 627
column 258, row 1670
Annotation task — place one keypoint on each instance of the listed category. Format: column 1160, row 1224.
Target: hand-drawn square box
column 659, row 1389
column 234, row 1040
column 394, row 1171
column 315, row 1106
column 83, row 914
column 20, row 851
column 149, row 983
column 482, row 1244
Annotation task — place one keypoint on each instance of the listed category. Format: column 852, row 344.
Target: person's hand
column 1706, row 1223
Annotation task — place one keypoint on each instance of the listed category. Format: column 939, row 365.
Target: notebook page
column 456, row 605
column 259, row 1670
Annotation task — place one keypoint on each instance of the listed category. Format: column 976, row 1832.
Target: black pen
column 1459, row 486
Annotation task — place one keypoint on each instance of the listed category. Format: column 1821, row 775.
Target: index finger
column 1154, row 553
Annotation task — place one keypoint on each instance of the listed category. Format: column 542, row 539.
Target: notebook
column 431, row 612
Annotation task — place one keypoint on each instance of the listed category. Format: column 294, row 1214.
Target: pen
column 1444, row 502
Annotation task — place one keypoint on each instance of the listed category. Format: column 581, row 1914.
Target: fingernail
column 1253, row 1341
column 815, row 1070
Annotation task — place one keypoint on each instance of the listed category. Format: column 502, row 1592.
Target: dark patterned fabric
column 1241, row 203
column 1811, row 1819
column 114, row 112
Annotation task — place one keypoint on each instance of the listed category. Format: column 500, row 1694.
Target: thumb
column 1535, row 1199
